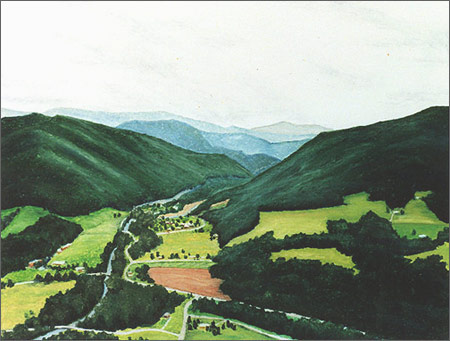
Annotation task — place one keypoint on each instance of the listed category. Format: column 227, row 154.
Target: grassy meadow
column 99, row 229
column 417, row 217
column 330, row 256
column 191, row 242
column 27, row 216
column 147, row 335
column 442, row 250
column 285, row 223
column 20, row 299
column 176, row 320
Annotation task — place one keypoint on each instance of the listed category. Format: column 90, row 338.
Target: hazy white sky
column 247, row 64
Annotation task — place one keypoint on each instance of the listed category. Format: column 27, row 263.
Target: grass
column 200, row 264
column 149, row 335
column 192, row 242
column 417, row 217
column 240, row 333
column 285, row 223
column 99, row 229
column 442, row 250
column 330, row 256
column 176, row 321
column 27, row 216
column 18, row 300
column 25, row 275
column 213, row 316
column 219, row 205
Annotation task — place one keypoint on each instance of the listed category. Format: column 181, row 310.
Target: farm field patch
column 241, row 333
column 442, row 250
column 329, row 255
column 27, row 216
column 417, row 217
column 197, row 281
column 99, row 229
column 285, row 223
column 20, row 299
column 192, row 243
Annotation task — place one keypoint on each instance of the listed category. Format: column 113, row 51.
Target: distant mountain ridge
column 185, row 136
column 71, row 166
column 287, row 128
column 114, row 119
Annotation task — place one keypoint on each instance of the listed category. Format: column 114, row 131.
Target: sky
column 337, row 64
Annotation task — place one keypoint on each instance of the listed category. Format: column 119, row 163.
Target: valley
column 165, row 267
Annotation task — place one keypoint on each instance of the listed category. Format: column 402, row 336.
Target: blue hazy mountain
column 183, row 135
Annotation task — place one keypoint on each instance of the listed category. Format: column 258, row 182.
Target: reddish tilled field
column 197, row 281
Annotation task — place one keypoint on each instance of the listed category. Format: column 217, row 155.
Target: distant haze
column 249, row 64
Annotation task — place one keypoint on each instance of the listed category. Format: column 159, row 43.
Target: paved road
column 185, row 318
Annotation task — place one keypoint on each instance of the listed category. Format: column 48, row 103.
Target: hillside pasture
column 20, row 299
column 442, row 250
column 417, row 217
column 27, row 216
column 191, row 242
column 286, row 223
column 99, row 229
column 325, row 256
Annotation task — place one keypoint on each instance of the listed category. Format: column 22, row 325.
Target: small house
column 58, row 251
column 34, row 263
column 166, row 315
column 65, row 246
column 422, row 235
column 59, row 263
column 130, row 273
column 79, row 269
column 203, row 326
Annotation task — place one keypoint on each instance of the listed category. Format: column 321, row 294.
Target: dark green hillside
column 389, row 160
column 71, row 167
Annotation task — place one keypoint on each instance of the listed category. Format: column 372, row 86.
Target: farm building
column 34, row 263
column 203, row 326
column 59, row 263
column 422, row 235
column 79, row 269
column 65, row 246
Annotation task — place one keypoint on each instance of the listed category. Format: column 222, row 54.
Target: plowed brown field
column 197, row 281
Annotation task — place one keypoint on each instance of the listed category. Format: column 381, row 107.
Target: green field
column 285, row 223
column 99, row 229
column 240, row 333
column 27, row 216
column 442, row 250
column 330, row 256
column 148, row 335
column 192, row 242
column 197, row 264
column 18, row 300
column 176, row 319
column 26, row 275
column 417, row 217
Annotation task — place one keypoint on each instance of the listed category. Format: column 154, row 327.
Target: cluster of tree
column 62, row 309
column 142, row 274
column 121, row 240
column 9, row 218
column 128, row 305
column 148, row 240
column 8, row 284
column 37, row 241
column 174, row 256
column 277, row 322
column 82, row 335
column 391, row 296
column 143, row 220
column 58, row 276
column 117, row 215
